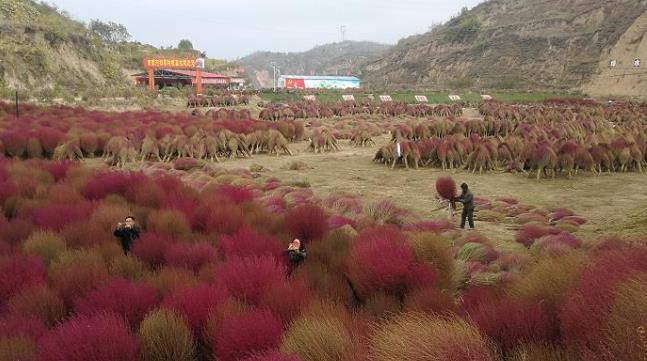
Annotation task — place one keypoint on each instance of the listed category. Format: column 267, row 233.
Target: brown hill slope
column 515, row 44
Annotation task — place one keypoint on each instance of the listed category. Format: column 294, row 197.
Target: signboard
column 348, row 97
column 422, row 99
column 171, row 63
column 295, row 83
column 199, row 63
column 386, row 98
column 311, row 98
column 454, row 98
column 486, row 97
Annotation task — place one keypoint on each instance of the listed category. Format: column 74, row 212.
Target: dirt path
column 613, row 204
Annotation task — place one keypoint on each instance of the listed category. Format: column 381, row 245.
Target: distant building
column 317, row 82
column 173, row 77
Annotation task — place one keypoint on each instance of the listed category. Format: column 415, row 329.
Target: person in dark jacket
column 467, row 198
column 296, row 254
column 127, row 232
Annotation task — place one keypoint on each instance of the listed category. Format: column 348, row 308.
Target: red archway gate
column 174, row 63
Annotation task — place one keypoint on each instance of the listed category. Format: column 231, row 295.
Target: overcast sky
column 235, row 28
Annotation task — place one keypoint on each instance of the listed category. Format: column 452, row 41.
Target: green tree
column 110, row 31
column 185, row 45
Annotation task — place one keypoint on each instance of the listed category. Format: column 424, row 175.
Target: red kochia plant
column 446, row 187
column 246, row 243
column 21, row 326
column 511, row 323
column 247, row 278
column 151, row 248
column 236, row 194
column 307, row 222
column 220, row 217
column 585, row 312
column 15, row 142
column 110, row 182
column 127, row 299
column 195, row 304
column 190, row 255
column 18, row 272
column 531, row 231
column 16, row 230
column 39, row 302
column 379, row 263
column 98, row 338
column 246, row 334
column 287, row 299
column 57, row 216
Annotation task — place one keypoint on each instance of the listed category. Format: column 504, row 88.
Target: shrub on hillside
column 626, row 330
column 287, row 299
column 165, row 336
column 97, row 338
column 128, row 267
column 436, row 250
column 16, row 230
column 151, row 248
column 86, row 234
column 585, row 312
column 39, row 302
column 75, row 273
column 223, row 218
column 109, row 183
column 307, row 222
column 195, row 304
column 431, row 301
column 192, row 256
column 127, row 299
column 146, row 193
column 248, row 243
column 44, row 244
column 379, row 263
column 18, row 348
column 56, row 216
column 247, row 278
column 21, row 326
column 243, row 335
column 318, row 338
column 414, row 336
column 18, row 272
column 532, row 231
column 511, row 323
column 236, row 194
column 169, row 278
column 168, row 222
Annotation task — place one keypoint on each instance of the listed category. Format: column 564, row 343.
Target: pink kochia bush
column 127, row 299
column 532, row 231
column 190, row 255
column 273, row 356
column 195, row 304
column 307, row 222
column 102, row 337
column 246, row 334
column 511, row 323
column 151, row 248
column 584, row 313
column 247, row 278
column 446, row 187
column 246, row 243
column 18, row 272
column 56, row 216
column 381, row 260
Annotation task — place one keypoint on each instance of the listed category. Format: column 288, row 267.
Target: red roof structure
column 167, row 77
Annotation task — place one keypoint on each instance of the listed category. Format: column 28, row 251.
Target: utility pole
column 343, row 33
column 274, row 77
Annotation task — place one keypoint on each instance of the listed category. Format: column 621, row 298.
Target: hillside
column 519, row 44
column 45, row 53
column 331, row 59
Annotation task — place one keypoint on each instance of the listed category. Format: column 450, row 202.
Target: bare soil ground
column 613, row 203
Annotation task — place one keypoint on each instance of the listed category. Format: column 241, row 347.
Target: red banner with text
column 295, row 83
